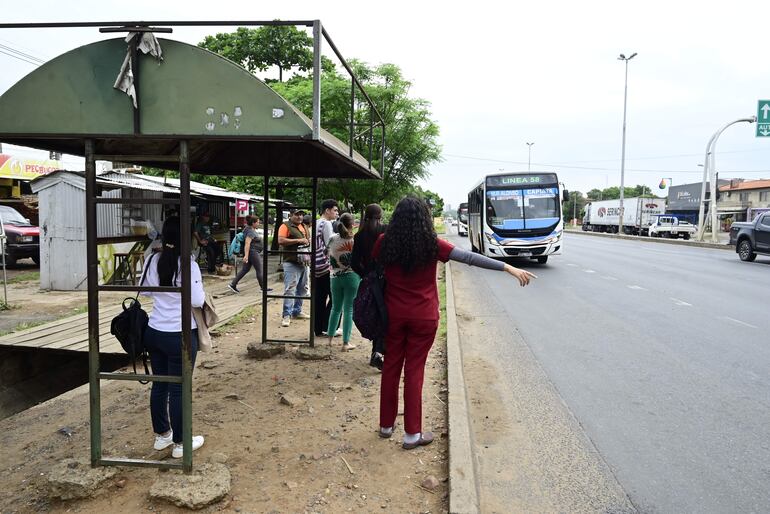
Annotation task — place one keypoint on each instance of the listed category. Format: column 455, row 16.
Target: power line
column 589, row 168
column 22, row 54
column 19, row 58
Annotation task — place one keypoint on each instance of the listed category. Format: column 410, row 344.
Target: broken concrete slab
column 72, row 479
column 261, row 351
column 207, row 484
column 292, row 400
column 313, row 354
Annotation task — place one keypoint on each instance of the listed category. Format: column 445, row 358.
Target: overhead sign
column 763, row 118
column 25, row 169
column 521, row 179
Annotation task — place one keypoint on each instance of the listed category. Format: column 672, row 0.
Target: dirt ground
column 282, row 458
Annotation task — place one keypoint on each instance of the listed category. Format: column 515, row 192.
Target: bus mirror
column 565, row 196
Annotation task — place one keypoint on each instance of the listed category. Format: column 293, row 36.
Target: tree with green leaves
column 613, row 193
column 411, row 142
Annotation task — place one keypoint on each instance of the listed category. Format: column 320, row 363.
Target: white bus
column 517, row 215
column 462, row 220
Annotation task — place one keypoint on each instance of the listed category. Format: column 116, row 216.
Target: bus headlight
column 491, row 239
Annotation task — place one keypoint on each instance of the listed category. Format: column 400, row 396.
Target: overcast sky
column 499, row 75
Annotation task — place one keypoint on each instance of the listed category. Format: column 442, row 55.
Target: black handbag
column 128, row 328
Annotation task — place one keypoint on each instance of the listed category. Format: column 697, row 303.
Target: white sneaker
column 336, row 334
column 163, row 442
column 178, row 451
column 301, row 315
column 286, row 321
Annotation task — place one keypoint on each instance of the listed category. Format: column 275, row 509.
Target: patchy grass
column 248, row 312
column 439, row 225
column 23, row 326
column 442, row 301
column 5, row 306
column 25, row 277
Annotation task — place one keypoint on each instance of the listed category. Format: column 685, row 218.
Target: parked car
column 671, row 226
column 751, row 238
column 22, row 239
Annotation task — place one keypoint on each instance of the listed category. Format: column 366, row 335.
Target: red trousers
column 406, row 345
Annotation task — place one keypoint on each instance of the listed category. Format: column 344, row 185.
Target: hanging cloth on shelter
column 148, row 44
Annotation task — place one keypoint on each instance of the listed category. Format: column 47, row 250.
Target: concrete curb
column 463, row 485
column 659, row 240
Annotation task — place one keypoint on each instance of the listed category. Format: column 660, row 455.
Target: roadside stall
column 172, row 105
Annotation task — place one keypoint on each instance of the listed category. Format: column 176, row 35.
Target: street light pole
column 708, row 175
column 625, row 59
column 529, row 155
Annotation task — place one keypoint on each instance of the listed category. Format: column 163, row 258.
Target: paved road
column 662, row 355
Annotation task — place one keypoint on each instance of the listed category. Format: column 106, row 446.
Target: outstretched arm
column 481, row 261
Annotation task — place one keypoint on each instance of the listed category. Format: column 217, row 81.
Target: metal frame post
column 311, row 278
column 265, row 255
column 92, row 263
column 317, row 79
column 186, row 252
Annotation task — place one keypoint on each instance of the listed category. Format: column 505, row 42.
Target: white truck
column 638, row 214
column 671, row 227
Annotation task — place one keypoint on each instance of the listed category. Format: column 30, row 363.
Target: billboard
column 25, row 169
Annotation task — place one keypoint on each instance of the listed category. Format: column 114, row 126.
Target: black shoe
column 376, row 361
column 233, row 288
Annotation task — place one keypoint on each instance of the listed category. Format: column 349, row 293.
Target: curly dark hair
column 410, row 240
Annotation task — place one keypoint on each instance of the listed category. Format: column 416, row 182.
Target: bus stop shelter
column 188, row 110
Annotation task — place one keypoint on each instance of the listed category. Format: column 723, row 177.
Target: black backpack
column 369, row 311
column 128, row 328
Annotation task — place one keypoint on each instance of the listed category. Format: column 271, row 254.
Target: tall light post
column 529, row 155
column 625, row 59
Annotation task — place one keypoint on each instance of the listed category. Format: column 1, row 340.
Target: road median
column 680, row 242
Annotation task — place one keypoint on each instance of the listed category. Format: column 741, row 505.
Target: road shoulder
column 529, row 453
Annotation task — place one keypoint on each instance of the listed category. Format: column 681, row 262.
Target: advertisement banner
column 25, row 169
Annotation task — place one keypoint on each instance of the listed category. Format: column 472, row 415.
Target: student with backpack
column 363, row 264
column 409, row 251
column 163, row 337
column 324, row 229
column 344, row 281
column 252, row 249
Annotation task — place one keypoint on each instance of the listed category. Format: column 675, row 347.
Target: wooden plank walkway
column 71, row 333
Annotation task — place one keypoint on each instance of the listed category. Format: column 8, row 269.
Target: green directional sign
column 763, row 118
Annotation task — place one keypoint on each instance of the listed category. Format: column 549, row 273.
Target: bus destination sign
column 523, row 179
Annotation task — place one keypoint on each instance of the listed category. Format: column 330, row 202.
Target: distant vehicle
column 671, row 227
column 638, row 215
column 462, row 220
column 454, row 222
column 751, row 238
column 22, row 239
column 517, row 215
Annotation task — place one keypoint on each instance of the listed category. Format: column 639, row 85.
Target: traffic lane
column 730, row 291
column 630, row 386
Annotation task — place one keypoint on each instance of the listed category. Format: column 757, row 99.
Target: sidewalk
column 287, row 428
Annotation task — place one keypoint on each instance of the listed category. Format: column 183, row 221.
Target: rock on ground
column 207, row 484
column 313, row 354
column 261, row 351
column 292, row 400
column 75, row 478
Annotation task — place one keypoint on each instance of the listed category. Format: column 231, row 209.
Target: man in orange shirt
column 292, row 238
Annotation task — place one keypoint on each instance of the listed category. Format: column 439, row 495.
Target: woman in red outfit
column 409, row 251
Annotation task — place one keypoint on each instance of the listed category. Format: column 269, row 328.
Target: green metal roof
column 234, row 122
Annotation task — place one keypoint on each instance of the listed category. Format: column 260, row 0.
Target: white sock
column 412, row 438
column 388, row 430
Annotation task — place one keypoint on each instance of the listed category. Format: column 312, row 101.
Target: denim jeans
column 295, row 283
column 165, row 398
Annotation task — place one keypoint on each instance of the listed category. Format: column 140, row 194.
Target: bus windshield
column 511, row 209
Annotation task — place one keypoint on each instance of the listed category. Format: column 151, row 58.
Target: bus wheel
column 542, row 260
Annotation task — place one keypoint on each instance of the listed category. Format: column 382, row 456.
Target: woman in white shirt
column 163, row 337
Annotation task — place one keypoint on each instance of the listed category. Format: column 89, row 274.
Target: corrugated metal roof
column 135, row 181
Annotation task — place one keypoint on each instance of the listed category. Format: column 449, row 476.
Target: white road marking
column 738, row 321
column 607, row 277
column 572, row 265
column 589, row 271
column 679, row 302
column 637, row 288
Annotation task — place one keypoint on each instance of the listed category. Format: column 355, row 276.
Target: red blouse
column 413, row 295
